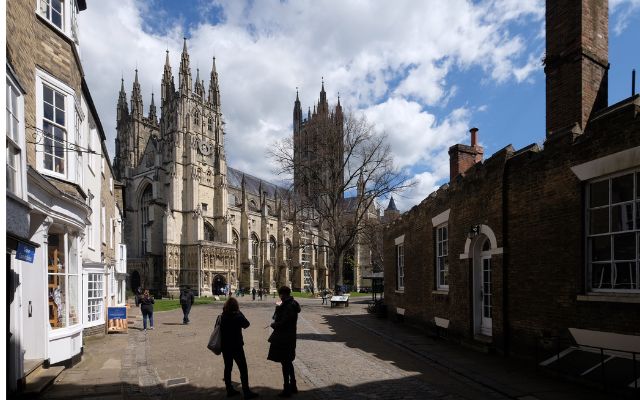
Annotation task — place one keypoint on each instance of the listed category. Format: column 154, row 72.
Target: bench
column 335, row 300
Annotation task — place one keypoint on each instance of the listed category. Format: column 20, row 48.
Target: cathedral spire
column 136, row 97
column 323, row 106
column 185, row 71
column 152, row 110
column 297, row 114
column 214, row 89
column 123, row 109
column 167, row 80
column 199, row 87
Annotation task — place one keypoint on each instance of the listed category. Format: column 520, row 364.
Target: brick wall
column 94, row 330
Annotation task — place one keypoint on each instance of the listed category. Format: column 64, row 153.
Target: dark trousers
column 147, row 314
column 236, row 355
column 186, row 309
column 288, row 375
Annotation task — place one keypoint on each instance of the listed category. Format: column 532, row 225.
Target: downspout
column 505, row 259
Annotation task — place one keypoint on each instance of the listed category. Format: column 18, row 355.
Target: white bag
column 215, row 341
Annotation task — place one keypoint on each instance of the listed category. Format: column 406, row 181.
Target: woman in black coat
column 146, row 306
column 231, row 325
column 283, row 339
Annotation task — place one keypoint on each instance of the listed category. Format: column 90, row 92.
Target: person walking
column 253, row 292
column 186, row 301
column 283, row 339
column 146, row 306
column 231, row 325
column 260, row 293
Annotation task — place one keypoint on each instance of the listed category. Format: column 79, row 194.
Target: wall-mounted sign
column 117, row 319
column 24, row 252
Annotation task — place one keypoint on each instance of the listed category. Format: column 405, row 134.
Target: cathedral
column 190, row 220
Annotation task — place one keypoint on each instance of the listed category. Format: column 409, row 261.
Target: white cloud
column 391, row 59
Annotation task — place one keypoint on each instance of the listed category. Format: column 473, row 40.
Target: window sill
column 399, row 291
column 610, row 297
column 443, row 292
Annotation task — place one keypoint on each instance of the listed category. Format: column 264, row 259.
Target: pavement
column 342, row 353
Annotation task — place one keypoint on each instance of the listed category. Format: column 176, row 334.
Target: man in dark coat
column 283, row 339
column 253, row 293
column 186, row 301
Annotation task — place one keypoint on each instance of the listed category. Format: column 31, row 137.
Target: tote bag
column 215, row 341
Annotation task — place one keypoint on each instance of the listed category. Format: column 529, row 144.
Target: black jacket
column 186, row 297
column 231, row 325
column 283, row 338
column 146, row 303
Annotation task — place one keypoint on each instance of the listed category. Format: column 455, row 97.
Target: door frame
column 480, row 327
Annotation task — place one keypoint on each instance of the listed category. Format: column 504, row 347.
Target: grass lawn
column 172, row 304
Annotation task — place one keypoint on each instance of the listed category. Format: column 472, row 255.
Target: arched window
column 253, row 204
column 255, row 249
column 210, row 124
column 146, row 198
column 209, row 232
column 272, row 251
column 195, row 117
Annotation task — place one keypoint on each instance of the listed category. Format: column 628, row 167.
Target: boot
column 248, row 394
column 232, row 392
column 292, row 387
column 286, row 391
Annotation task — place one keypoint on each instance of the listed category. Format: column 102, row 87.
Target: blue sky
column 422, row 72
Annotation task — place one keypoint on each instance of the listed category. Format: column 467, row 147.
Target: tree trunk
column 337, row 268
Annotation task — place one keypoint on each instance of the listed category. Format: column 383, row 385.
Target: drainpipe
column 505, row 259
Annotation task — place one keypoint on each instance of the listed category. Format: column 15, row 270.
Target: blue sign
column 25, row 252
column 117, row 313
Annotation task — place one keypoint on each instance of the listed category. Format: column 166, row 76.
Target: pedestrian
column 324, row 296
column 253, row 292
column 231, row 325
column 138, row 295
column 283, row 339
column 146, row 306
column 260, row 293
column 186, row 301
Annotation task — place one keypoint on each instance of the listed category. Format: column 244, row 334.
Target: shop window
column 95, row 294
column 62, row 283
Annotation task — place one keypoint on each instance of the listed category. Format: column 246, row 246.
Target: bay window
column 62, row 282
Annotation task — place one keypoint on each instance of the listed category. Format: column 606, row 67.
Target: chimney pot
column 474, row 136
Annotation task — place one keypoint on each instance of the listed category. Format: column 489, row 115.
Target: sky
column 423, row 72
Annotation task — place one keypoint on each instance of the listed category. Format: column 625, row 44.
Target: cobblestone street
column 342, row 353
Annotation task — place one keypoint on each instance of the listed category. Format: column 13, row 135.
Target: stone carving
column 197, row 213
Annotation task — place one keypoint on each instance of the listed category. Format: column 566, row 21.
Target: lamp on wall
column 474, row 231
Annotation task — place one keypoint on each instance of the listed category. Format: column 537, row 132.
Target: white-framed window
column 613, row 233
column 15, row 138
column 95, row 297
column 61, row 14
column 112, row 229
column 90, row 231
column 442, row 256
column 103, row 223
column 272, row 251
column 56, row 128
column 400, row 265
column 111, row 185
column 62, row 280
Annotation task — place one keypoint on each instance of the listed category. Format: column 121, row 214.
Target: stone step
column 40, row 378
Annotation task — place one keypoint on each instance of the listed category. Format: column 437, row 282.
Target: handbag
column 215, row 340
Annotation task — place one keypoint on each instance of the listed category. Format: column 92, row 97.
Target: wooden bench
column 344, row 299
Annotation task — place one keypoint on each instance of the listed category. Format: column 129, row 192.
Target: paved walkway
column 342, row 353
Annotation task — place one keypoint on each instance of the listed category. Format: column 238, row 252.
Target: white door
column 486, row 294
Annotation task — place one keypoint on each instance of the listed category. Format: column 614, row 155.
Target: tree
column 339, row 170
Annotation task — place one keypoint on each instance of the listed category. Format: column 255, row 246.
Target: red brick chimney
column 463, row 157
column 576, row 62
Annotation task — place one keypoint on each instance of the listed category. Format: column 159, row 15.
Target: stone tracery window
column 272, row 250
column 209, row 232
column 145, row 200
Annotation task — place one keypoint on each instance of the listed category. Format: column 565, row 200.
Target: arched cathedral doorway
column 135, row 281
column 218, row 284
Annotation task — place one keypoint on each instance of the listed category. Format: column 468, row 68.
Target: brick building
column 538, row 242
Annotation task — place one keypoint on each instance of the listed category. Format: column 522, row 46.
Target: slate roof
column 252, row 184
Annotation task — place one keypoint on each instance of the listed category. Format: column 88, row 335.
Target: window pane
column 599, row 221
column 599, row 193
column 73, row 299
column 622, row 217
column 601, row 276
column 601, row 248
column 624, row 246
column 47, row 93
column 622, row 188
column 59, row 116
column 48, row 112
column 626, row 275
